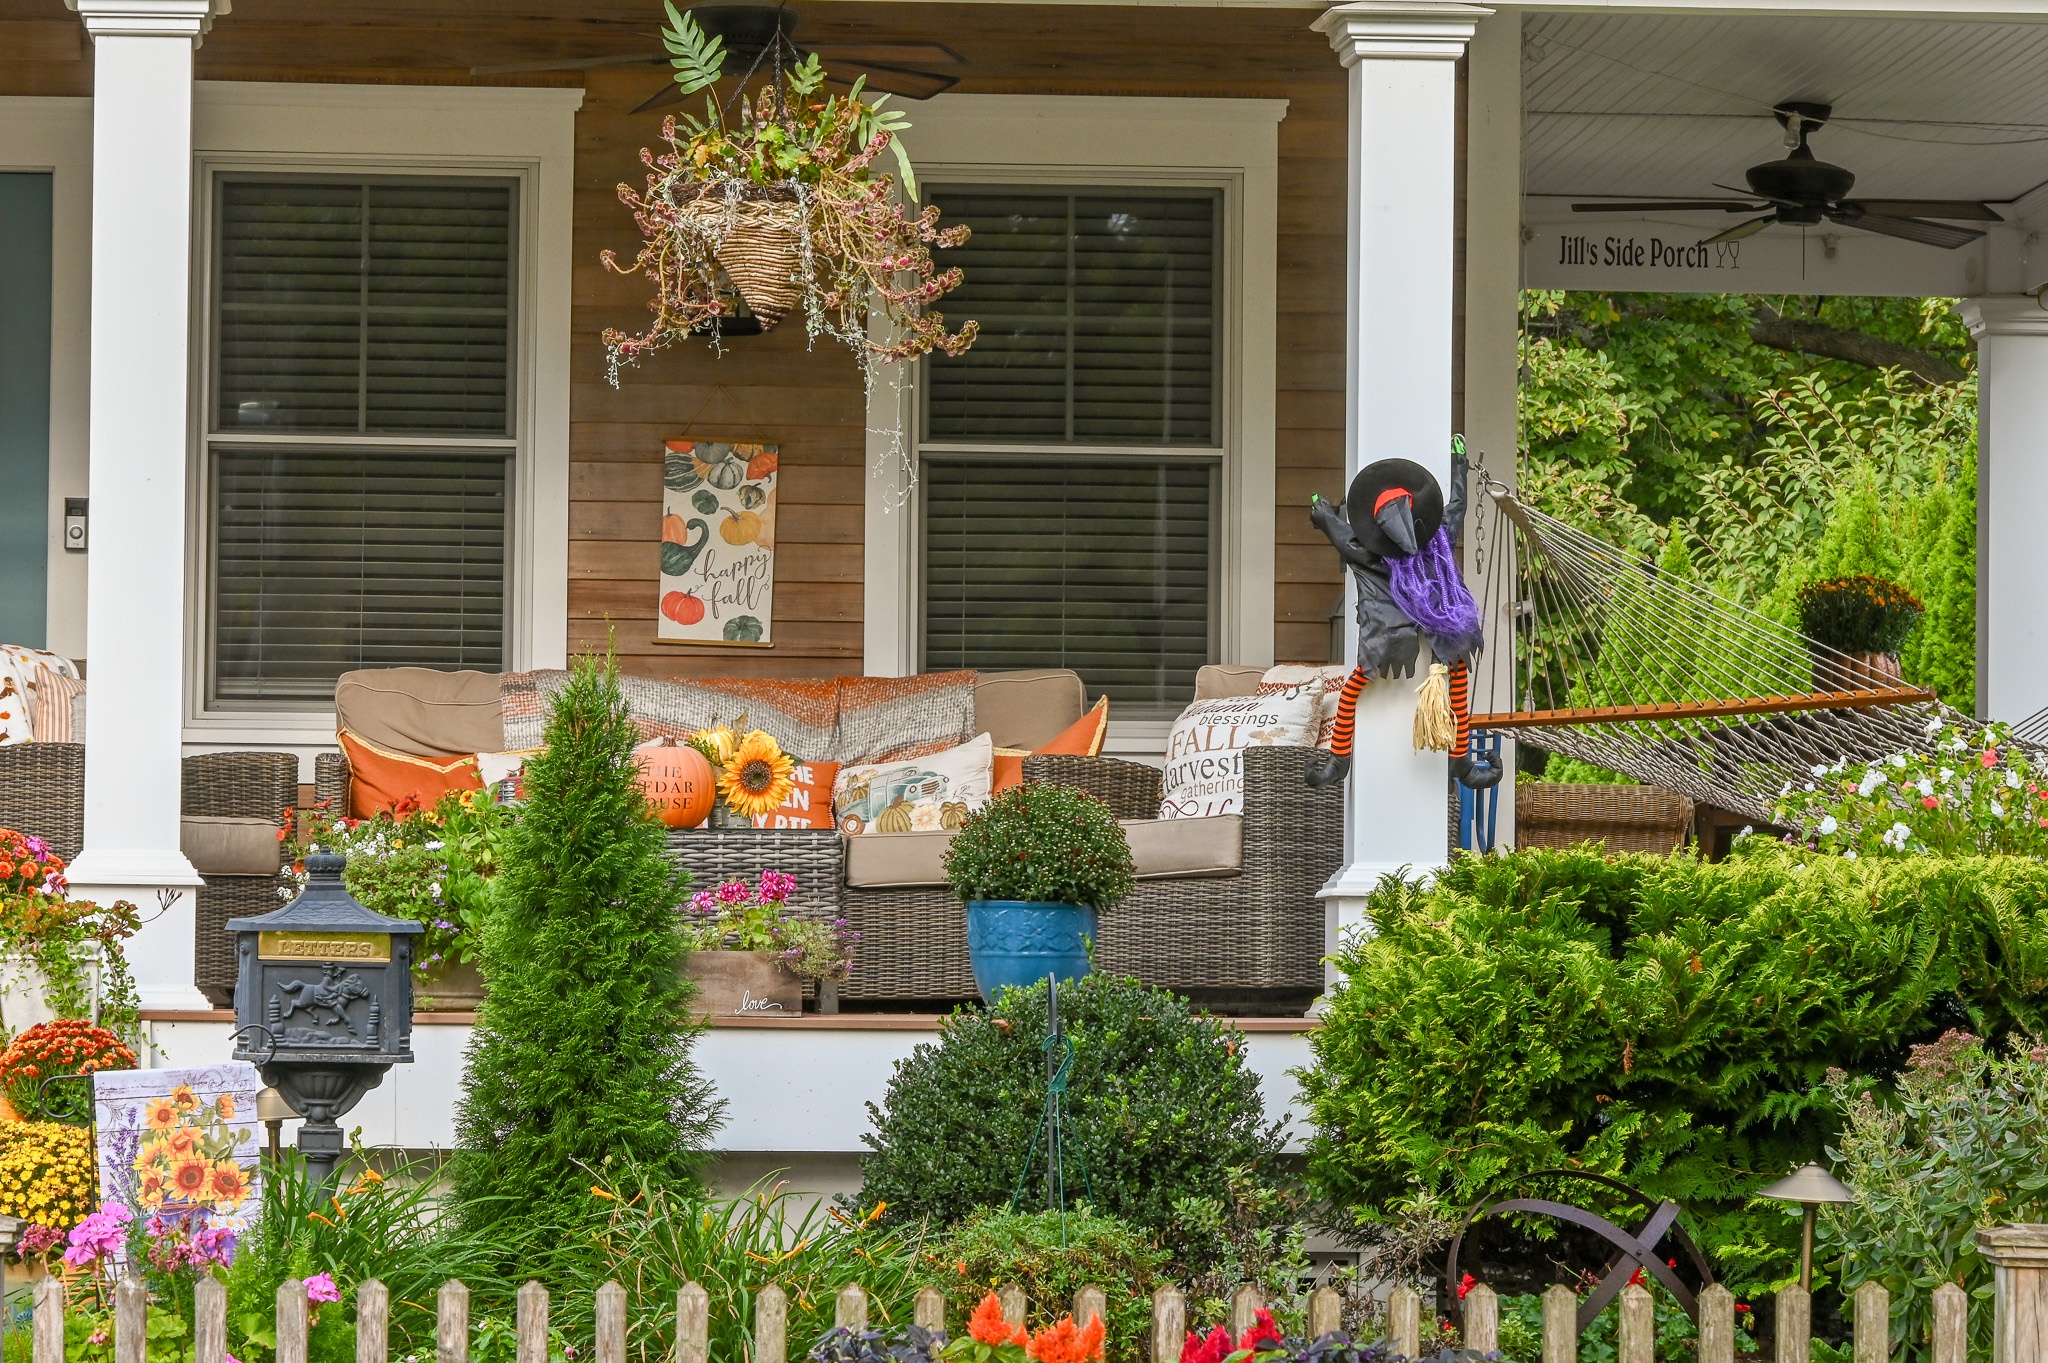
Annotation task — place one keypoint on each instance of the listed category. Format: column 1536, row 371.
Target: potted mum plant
column 1035, row 867
column 773, row 203
column 1865, row 617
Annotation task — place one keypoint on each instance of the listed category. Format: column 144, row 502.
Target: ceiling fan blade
column 669, row 93
column 1788, row 203
column 1741, row 230
column 893, row 80
column 1673, row 206
column 1909, row 229
column 895, row 56
column 576, row 64
column 1962, row 210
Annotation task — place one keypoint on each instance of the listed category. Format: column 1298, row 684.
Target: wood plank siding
column 771, row 388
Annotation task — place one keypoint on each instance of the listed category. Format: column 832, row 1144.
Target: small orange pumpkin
column 673, row 530
column 763, row 464
column 677, row 781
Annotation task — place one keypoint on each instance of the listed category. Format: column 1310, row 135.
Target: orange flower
column 162, row 1114
column 986, row 1325
column 228, row 1184
column 226, row 1104
column 184, row 1097
column 1066, row 1342
column 190, row 1177
column 184, row 1141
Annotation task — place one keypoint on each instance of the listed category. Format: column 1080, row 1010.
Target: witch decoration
column 1395, row 532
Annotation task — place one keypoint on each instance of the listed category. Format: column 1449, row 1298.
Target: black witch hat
column 1395, row 506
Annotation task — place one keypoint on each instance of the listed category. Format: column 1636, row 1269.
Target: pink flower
column 734, row 892
column 320, row 1289
column 1929, row 802
column 1990, row 757
column 99, row 1235
column 777, row 886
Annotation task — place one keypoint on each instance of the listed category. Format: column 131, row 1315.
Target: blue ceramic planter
column 1017, row 942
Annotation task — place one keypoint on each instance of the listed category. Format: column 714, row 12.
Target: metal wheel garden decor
column 1638, row 1249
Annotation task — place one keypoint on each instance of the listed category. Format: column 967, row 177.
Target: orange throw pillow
column 380, row 779
column 810, row 799
column 1082, row 738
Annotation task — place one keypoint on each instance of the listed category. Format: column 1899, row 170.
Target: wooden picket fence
column 1635, row 1342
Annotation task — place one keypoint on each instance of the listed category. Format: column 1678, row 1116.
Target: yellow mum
column 756, row 779
column 46, row 1172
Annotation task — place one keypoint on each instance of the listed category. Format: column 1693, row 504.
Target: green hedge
column 1661, row 1020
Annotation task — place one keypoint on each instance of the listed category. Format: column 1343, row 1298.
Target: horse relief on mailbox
column 717, row 542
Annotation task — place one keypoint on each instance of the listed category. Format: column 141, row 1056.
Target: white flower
column 2012, row 778
column 435, row 844
column 1924, row 786
column 1786, row 791
column 1820, row 769
column 1748, row 831
column 1809, row 787
column 1934, row 725
column 1947, row 774
column 1955, row 743
column 1828, row 825
column 1997, row 810
column 1849, row 855
column 1872, row 779
column 1840, row 762
column 1898, row 759
column 1899, row 832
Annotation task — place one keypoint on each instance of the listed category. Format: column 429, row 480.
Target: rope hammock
column 1621, row 664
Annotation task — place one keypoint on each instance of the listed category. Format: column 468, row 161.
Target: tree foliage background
column 1675, row 426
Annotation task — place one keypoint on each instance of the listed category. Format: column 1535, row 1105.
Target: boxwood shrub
column 1665, row 1021
column 1161, row 1106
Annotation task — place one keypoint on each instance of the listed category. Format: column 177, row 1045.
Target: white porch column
column 1399, row 294
column 135, row 577
column 2012, row 502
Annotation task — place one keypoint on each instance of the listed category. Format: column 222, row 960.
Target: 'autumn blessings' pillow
column 1205, row 750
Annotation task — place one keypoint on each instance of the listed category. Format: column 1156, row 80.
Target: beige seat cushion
column 1169, row 849
column 1027, row 709
column 1162, row 849
column 421, row 711
column 897, row 861
column 218, row 846
column 1219, row 681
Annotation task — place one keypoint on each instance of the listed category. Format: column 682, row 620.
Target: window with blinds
column 364, row 307
column 359, row 462
column 1098, row 320
column 1098, row 566
column 328, row 560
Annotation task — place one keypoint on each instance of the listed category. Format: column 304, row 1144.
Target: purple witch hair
column 1430, row 591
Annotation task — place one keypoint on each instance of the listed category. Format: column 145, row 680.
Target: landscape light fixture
column 1809, row 1187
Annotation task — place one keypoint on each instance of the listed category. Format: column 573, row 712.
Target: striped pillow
column 59, row 708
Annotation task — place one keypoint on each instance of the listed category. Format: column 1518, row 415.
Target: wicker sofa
column 1226, row 912
column 232, row 803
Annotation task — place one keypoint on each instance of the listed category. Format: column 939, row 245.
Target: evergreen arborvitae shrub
column 1667, row 1022
column 1160, row 1106
column 581, row 1057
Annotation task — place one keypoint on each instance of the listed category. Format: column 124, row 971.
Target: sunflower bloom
column 756, row 780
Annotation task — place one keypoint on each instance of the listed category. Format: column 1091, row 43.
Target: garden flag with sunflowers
column 180, row 1144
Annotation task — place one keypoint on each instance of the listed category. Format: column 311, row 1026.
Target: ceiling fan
column 752, row 33
column 1803, row 191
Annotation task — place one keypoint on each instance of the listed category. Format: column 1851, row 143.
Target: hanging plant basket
column 775, row 202
column 759, row 231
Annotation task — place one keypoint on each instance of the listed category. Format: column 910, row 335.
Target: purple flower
column 36, row 847
column 99, row 1235
column 320, row 1288
column 214, row 1245
column 704, row 902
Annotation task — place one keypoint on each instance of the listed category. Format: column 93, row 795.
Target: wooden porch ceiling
column 1010, row 49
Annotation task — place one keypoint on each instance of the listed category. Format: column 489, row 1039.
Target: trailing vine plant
column 774, row 201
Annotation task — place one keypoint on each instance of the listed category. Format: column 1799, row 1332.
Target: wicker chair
column 241, row 785
column 1624, row 818
column 1249, row 942
column 42, row 793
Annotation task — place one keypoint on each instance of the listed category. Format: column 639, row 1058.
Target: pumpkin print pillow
column 923, row 794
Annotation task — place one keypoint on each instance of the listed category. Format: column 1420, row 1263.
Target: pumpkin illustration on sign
column 739, row 527
column 685, row 608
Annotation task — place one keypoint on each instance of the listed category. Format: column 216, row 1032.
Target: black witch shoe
column 1476, row 773
column 1327, row 769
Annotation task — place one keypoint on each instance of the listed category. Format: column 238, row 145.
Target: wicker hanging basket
column 759, row 245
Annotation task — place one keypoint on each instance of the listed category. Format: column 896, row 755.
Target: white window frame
column 1227, row 145
column 526, row 136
